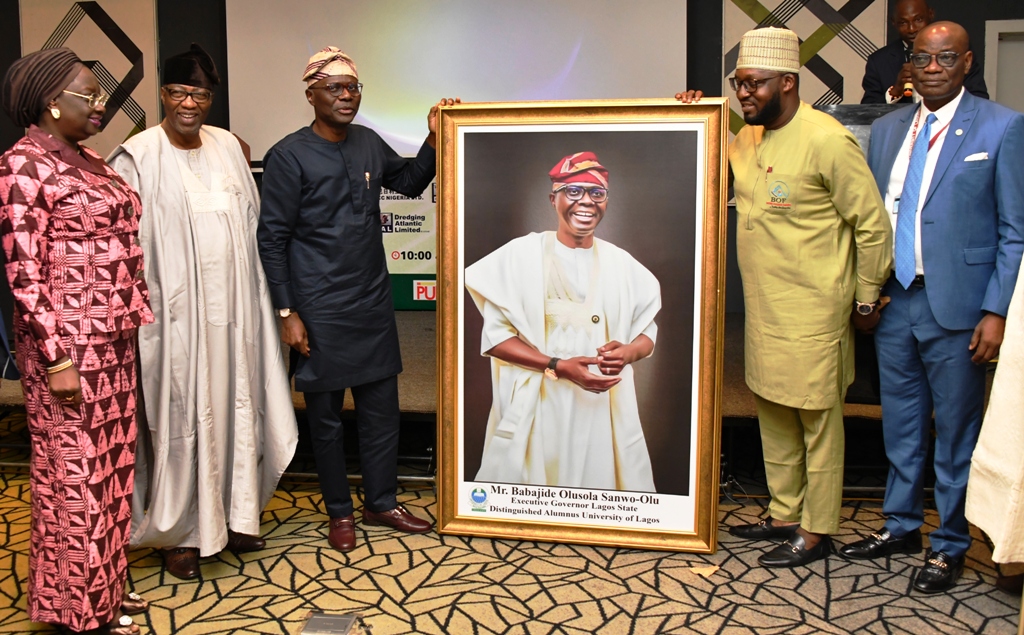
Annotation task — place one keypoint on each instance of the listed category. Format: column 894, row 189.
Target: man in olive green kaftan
column 814, row 243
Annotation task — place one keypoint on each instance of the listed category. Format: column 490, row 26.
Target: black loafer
column 882, row 544
column 794, row 553
column 939, row 573
column 764, row 530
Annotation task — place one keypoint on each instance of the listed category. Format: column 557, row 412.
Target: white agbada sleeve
column 995, row 488
column 179, row 495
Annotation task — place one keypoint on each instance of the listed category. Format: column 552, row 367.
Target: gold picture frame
column 667, row 178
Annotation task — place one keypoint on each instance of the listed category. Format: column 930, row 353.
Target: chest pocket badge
column 778, row 196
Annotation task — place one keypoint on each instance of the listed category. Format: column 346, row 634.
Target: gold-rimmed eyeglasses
column 93, row 100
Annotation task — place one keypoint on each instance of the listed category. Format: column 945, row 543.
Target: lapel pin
column 959, row 132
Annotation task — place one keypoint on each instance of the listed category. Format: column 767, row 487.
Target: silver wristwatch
column 865, row 308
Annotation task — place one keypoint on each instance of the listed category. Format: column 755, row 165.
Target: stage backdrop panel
column 529, row 456
column 836, row 37
column 412, row 53
column 117, row 39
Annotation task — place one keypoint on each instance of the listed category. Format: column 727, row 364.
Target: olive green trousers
column 803, row 460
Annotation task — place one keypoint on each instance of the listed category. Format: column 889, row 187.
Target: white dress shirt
column 943, row 116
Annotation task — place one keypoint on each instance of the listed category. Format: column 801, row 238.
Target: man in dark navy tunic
column 321, row 246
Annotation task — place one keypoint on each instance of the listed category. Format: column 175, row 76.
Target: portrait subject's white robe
column 995, row 487
column 548, row 432
column 221, row 426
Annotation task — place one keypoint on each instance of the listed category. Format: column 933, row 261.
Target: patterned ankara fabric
column 68, row 225
column 82, row 477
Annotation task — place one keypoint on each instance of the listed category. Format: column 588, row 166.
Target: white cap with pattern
column 770, row 49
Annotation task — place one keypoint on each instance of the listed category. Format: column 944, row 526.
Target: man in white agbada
column 995, row 487
column 221, row 427
column 565, row 317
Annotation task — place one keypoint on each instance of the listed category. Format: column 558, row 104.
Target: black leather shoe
column 881, row 544
column 939, row 573
column 794, row 553
column 764, row 530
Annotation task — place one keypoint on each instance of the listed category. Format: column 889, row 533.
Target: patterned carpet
column 457, row 586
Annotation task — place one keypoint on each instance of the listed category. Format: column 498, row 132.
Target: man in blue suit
column 950, row 174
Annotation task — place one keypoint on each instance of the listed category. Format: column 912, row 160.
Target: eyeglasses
column 93, row 100
column 198, row 96
column 946, row 59
column 576, row 192
column 337, row 89
column 749, row 85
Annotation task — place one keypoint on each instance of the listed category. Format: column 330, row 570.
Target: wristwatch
column 284, row 312
column 865, row 308
column 549, row 372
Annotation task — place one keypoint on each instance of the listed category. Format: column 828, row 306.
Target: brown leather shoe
column 342, row 535
column 1012, row 584
column 240, row 543
column 399, row 518
column 181, row 562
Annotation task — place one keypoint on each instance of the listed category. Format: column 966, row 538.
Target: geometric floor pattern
column 447, row 585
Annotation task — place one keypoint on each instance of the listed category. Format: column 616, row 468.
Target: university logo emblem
column 478, row 499
column 778, row 195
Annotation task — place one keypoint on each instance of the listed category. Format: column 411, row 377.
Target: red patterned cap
column 582, row 167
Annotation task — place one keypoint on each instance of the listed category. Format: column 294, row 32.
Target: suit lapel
column 893, row 143
column 896, row 57
column 962, row 120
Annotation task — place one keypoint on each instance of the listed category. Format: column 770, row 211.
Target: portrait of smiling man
column 219, row 428
column 565, row 316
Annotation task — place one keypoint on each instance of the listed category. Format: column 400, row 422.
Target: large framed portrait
column 580, row 318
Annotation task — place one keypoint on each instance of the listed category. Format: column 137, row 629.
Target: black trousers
column 377, row 419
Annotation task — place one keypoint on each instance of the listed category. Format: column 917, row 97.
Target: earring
column 55, row 112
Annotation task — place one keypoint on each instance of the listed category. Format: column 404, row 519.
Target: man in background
column 950, row 173
column 321, row 244
column 219, row 428
column 887, row 77
column 814, row 249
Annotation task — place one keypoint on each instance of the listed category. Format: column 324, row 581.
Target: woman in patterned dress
column 68, row 224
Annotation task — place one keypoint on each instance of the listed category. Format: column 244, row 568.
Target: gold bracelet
column 59, row 367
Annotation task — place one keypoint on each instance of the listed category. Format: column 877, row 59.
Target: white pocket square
column 978, row 156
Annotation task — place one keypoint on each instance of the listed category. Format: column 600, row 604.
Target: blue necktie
column 907, row 212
